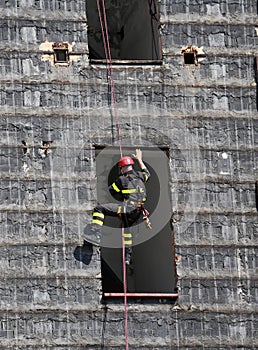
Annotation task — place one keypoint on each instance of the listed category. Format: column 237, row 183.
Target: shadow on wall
column 84, row 253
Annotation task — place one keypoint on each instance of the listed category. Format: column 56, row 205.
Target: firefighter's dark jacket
column 130, row 186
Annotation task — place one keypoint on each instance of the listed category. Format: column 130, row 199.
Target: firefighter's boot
column 85, row 252
column 93, row 234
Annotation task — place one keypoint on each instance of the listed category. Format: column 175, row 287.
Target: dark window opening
column 46, row 145
column 189, row 58
column 153, row 269
column 192, row 55
column 61, row 56
column 24, row 147
column 133, row 30
column 61, row 53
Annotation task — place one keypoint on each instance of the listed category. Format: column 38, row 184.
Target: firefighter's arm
column 138, row 157
column 115, row 190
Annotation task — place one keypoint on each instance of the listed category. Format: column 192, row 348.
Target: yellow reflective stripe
column 133, row 190
column 129, row 242
column 146, row 177
column 115, row 187
column 127, row 235
column 100, row 215
column 98, row 222
column 144, row 199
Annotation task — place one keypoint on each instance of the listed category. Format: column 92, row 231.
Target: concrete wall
column 206, row 115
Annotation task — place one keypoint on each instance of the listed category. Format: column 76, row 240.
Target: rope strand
column 104, row 30
column 105, row 37
column 125, row 289
column 107, row 50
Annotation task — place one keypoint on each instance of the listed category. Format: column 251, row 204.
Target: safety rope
column 105, row 37
column 125, row 288
column 106, row 44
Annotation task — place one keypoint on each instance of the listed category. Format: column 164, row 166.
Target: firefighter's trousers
column 130, row 216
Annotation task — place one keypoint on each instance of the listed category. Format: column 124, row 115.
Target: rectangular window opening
column 133, row 31
column 152, row 273
column 61, row 56
column 189, row 58
column 61, row 53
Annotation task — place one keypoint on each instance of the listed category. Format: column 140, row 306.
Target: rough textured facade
column 52, row 117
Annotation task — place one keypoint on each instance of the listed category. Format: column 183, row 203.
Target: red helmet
column 124, row 161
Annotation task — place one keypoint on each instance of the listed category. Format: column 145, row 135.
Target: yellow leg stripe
column 97, row 222
column 100, row 215
column 128, row 242
column 127, row 235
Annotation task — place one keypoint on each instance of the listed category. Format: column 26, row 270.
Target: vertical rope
column 102, row 31
column 111, row 78
column 105, row 37
column 125, row 289
column 106, row 43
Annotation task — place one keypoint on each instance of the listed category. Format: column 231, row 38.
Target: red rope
column 102, row 30
column 125, row 289
column 111, row 78
column 105, row 37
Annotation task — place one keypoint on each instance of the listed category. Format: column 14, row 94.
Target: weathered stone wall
column 206, row 115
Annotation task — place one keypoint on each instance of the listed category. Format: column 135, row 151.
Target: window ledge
column 127, row 62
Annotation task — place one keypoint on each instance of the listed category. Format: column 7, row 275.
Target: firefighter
column 130, row 189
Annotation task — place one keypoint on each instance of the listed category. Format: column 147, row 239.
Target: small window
column 192, row 55
column 61, row 53
column 189, row 58
column 24, row 147
column 132, row 27
column 61, row 56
